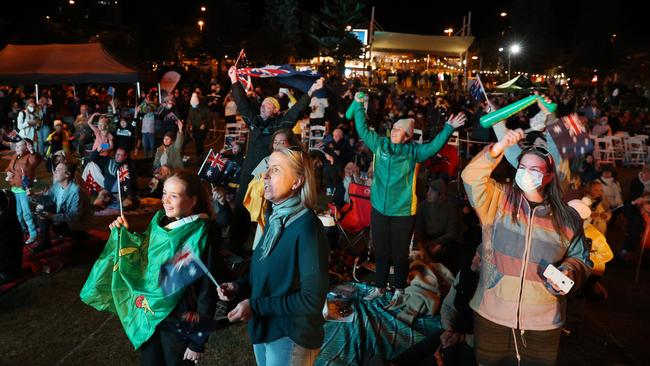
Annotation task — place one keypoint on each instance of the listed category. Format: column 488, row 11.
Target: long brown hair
column 194, row 188
column 563, row 215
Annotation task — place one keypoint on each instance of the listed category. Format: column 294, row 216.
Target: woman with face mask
column 519, row 313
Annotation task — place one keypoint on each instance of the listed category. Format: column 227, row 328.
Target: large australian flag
column 285, row 74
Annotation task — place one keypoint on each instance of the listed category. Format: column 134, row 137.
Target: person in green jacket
column 167, row 328
column 288, row 281
column 396, row 162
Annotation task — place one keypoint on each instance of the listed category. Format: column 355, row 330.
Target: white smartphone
column 559, row 278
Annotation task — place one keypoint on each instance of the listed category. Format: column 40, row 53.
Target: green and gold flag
column 124, row 279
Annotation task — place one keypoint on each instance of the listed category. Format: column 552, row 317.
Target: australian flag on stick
column 220, row 171
column 125, row 179
column 13, row 136
column 181, row 270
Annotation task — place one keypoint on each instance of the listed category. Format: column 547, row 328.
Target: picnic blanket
column 374, row 331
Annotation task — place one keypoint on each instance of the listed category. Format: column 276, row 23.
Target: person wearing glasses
column 519, row 313
column 285, row 290
column 392, row 194
column 262, row 125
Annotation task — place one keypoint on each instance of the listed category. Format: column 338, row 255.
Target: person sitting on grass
column 65, row 208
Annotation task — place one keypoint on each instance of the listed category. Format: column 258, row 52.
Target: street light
column 200, row 23
column 449, row 31
column 203, row 9
column 504, row 14
column 513, row 50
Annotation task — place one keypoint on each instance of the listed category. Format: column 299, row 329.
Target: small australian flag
column 179, row 272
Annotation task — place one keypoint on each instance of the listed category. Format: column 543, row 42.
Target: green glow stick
column 508, row 111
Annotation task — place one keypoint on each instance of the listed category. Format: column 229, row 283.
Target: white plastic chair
column 618, row 147
column 604, row 151
column 635, row 153
column 316, row 135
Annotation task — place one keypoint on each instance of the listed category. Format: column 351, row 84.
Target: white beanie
column 583, row 209
column 406, row 124
column 194, row 101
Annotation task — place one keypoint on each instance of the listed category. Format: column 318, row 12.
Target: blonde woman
column 284, row 306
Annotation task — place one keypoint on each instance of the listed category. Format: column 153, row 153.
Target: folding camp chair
column 353, row 219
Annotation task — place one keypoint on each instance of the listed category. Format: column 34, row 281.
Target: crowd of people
column 497, row 236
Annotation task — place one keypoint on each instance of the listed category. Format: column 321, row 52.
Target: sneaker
column 375, row 293
column 30, row 240
column 396, row 301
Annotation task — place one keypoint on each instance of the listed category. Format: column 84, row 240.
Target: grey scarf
column 283, row 214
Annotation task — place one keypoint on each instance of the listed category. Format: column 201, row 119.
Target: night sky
column 554, row 31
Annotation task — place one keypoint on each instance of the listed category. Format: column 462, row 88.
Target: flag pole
column 199, row 262
column 119, row 192
column 204, row 160
column 239, row 56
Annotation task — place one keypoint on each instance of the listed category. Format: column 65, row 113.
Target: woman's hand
column 192, row 356
column 457, row 120
column 541, row 105
column 227, row 291
column 118, row 223
column 232, row 73
column 318, row 84
column 242, row 312
column 510, row 138
column 556, row 287
column 219, row 195
column 450, row 338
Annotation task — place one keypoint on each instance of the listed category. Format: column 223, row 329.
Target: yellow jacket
column 254, row 200
column 600, row 253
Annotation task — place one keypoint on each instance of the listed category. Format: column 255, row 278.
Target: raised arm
column 239, row 96
column 356, row 111
column 425, row 151
column 295, row 111
column 180, row 136
column 483, row 192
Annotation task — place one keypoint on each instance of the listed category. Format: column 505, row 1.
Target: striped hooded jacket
column 512, row 290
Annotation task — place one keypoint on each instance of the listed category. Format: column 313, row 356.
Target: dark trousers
column 332, row 175
column 495, row 345
column 199, row 139
column 633, row 229
column 391, row 237
column 62, row 229
column 423, row 353
column 163, row 348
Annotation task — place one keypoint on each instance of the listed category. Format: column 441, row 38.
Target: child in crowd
column 125, row 135
column 59, row 140
column 20, row 174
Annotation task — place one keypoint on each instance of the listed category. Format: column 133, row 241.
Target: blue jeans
column 284, row 352
column 148, row 142
column 25, row 214
column 42, row 136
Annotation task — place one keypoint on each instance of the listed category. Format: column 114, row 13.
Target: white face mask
column 528, row 180
column 30, row 108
